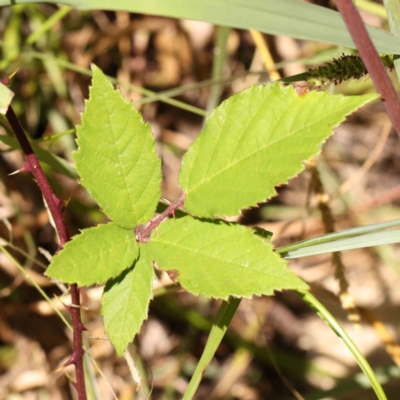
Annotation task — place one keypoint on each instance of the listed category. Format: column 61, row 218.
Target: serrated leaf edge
column 261, row 241
column 290, row 91
column 78, row 151
column 74, row 238
column 146, row 316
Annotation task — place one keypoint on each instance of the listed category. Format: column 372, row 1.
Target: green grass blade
column 138, row 89
column 225, row 314
column 285, row 17
column 290, row 363
column 12, row 38
column 177, row 91
column 48, row 24
column 55, row 136
column 356, row 242
column 327, row 317
column 220, row 54
column 345, row 234
column 323, row 56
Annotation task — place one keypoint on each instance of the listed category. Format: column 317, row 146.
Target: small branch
column 55, row 207
column 32, row 164
column 143, row 234
column 371, row 59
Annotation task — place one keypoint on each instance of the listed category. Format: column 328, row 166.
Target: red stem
column 143, row 235
column 371, row 59
column 54, row 204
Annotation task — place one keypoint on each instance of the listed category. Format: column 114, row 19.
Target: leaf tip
column 95, row 69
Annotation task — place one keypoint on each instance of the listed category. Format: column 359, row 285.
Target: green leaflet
column 219, row 260
column 117, row 158
column 6, row 96
column 97, row 254
column 255, row 141
column 126, row 302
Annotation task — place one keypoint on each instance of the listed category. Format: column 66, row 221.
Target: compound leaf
column 255, row 141
column 219, row 260
column 126, row 302
column 97, row 254
column 117, row 158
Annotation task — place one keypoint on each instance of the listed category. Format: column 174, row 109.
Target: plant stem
column 55, row 207
column 372, row 61
column 143, row 235
column 32, row 165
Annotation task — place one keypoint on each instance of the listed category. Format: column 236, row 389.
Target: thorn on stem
column 70, row 361
column 25, row 168
column 82, row 327
column 59, row 203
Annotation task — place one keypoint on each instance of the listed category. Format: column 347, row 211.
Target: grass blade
column 220, row 54
column 225, row 314
column 48, row 24
column 327, row 317
column 293, row 18
column 288, row 251
column 356, row 242
column 85, row 71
